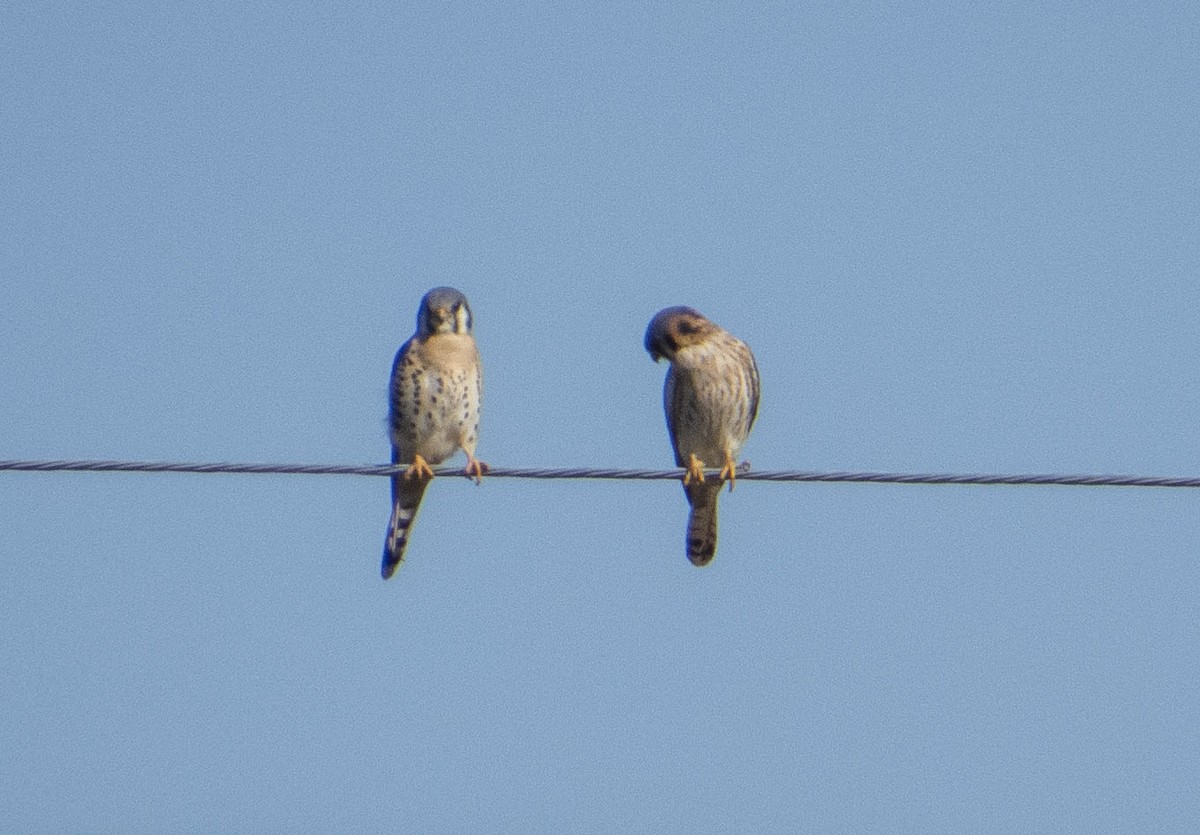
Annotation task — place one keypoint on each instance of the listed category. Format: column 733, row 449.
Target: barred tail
column 702, row 522
column 406, row 499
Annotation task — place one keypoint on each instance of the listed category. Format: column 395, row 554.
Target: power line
column 744, row 474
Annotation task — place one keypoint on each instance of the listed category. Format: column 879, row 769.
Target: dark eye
column 686, row 327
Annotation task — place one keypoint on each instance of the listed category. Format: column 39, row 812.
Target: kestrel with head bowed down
column 435, row 394
column 711, row 400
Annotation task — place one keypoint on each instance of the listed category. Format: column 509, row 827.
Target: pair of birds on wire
column 710, row 398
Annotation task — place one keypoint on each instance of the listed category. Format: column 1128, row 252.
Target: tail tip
column 391, row 562
column 701, row 552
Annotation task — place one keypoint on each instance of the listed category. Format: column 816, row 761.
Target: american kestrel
column 435, row 395
column 711, row 400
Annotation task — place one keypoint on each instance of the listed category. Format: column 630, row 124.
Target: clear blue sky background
column 961, row 239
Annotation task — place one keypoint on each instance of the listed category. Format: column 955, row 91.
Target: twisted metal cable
column 744, row 474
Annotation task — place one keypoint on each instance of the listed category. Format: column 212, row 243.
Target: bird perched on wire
column 711, row 401
column 435, row 394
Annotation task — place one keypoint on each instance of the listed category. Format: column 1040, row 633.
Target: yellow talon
column 729, row 471
column 475, row 469
column 419, row 468
column 695, row 471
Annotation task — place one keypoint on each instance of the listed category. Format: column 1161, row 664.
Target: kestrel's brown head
column 674, row 328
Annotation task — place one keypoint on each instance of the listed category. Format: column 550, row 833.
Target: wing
column 754, row 389
column 404, row 396
column 671, row 408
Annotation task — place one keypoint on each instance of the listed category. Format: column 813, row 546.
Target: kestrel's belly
column 706, row 427
column 441, row 436
column 437, row 420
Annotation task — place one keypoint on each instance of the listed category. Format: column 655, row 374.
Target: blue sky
column 956, row 239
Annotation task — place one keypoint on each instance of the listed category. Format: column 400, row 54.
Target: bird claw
column 729, row 472
column 694, row 471
column 419, row 468
column 475, row 469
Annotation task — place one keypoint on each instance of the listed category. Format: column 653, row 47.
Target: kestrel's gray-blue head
column 676, row 327
column 443, row 310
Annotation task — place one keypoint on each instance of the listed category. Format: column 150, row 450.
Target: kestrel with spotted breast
column 435, row 393
column 711, row 400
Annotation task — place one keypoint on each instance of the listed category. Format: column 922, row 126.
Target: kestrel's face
column 444, row 310
column 676, row 328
